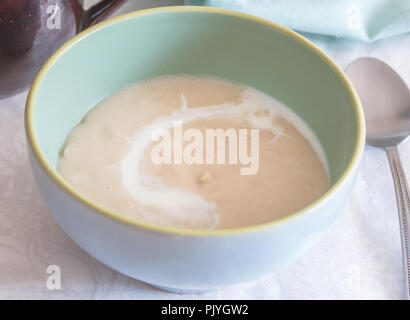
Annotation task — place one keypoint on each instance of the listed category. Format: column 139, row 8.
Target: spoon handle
column 403, row 204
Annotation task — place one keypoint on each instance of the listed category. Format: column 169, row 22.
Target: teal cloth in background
column 365, row 20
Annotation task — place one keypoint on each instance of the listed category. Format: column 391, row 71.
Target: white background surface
column 359, row 257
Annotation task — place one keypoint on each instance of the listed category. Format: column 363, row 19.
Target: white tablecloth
column 358, row 258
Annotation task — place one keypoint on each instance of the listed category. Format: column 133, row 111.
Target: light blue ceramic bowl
column 192, row 40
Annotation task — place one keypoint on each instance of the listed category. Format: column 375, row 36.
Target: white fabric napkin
column 358, row 258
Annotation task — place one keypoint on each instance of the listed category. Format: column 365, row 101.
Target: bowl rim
column 118, row 217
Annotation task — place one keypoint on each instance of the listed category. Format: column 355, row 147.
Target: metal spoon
column 386, row 103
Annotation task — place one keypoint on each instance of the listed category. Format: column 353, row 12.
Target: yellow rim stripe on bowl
column 29, row 122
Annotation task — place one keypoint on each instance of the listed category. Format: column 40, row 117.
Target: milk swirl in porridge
column 195, row 152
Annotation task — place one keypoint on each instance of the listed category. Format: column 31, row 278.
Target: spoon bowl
column 386, row 101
